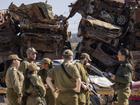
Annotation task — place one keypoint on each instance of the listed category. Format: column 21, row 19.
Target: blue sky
column 59, row 7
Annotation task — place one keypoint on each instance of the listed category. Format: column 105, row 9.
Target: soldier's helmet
column 85, row 55
column 68, row 52
column 14, row 57
column 46, row 61
column 31, row 50
column 33, row 67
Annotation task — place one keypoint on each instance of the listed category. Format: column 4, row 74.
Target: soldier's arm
column 23, row 66
column 122, row 79
column 15, row 82
column 125, row 78
column 49, row 80
column 50, row 84
column 76, row 76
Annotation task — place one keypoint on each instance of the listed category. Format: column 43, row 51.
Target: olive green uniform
column 67, row 96
column 84, row 98
column 36, row 91
column 14, row 82
column 123, row 79
column 23, row 68
column 50, row 100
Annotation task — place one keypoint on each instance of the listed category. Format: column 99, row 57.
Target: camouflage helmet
column 46, row 61
column 68, row 52
column 85, row 55
column 14, row 57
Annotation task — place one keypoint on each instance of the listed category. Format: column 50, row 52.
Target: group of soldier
column 31, row 84
column 65, row 84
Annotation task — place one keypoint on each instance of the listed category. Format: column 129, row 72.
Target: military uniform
column 24, row 69
column 123, row 78
column 67, row 96
column 14, row 82
column 23, row 66
column 50, row 100
column 36, row 90
column 84, row 98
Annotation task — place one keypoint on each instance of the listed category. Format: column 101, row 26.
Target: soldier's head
column 14, row 60
column 85, row 58
column 46, row 63
column 68, row 55
column 31, row 53
column 124, row 54
column 32, row 68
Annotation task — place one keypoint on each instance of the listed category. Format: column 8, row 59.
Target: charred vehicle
column 32, row 25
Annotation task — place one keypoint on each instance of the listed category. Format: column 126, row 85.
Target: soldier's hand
column 56, row 93
column 85, row 87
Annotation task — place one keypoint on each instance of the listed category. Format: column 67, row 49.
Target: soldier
column 31, row 57
column 14, row 81
column 66, row 80
column 46, row 66
column 36, row 90
column 123, row 77
column 84, row 98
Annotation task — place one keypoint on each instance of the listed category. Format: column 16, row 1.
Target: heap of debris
column 33, row 25
column 8, row 38
column 106, row 26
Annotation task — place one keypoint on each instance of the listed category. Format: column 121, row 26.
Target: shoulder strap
column 67, row 74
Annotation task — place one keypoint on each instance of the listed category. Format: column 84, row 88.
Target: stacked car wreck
column 106, row 26
column 32, row 25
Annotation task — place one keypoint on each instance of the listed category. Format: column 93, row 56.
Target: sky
column 60, row 7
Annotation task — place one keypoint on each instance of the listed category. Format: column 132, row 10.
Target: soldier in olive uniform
column 36, row 90
column 123, row 77
column 46, row 66
column 14, row 81
column 84, row 98
column 31, row 57
column 67, row 81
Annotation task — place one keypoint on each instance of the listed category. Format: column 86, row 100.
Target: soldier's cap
column 33, row 67
column 14, row 57
column 31, row 50
column 46, row 61
column 68, row 52
column 85, row 55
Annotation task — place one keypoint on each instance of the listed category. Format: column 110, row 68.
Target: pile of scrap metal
column 8, row 39
column 40, row 29
column 33, row 25
column 106, row 26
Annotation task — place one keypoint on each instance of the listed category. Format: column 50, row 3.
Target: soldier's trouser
column 12, row 97
column 123, row 96
column 67, row 98
column 84, row 98
column 34, row 100
column 50, row 100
